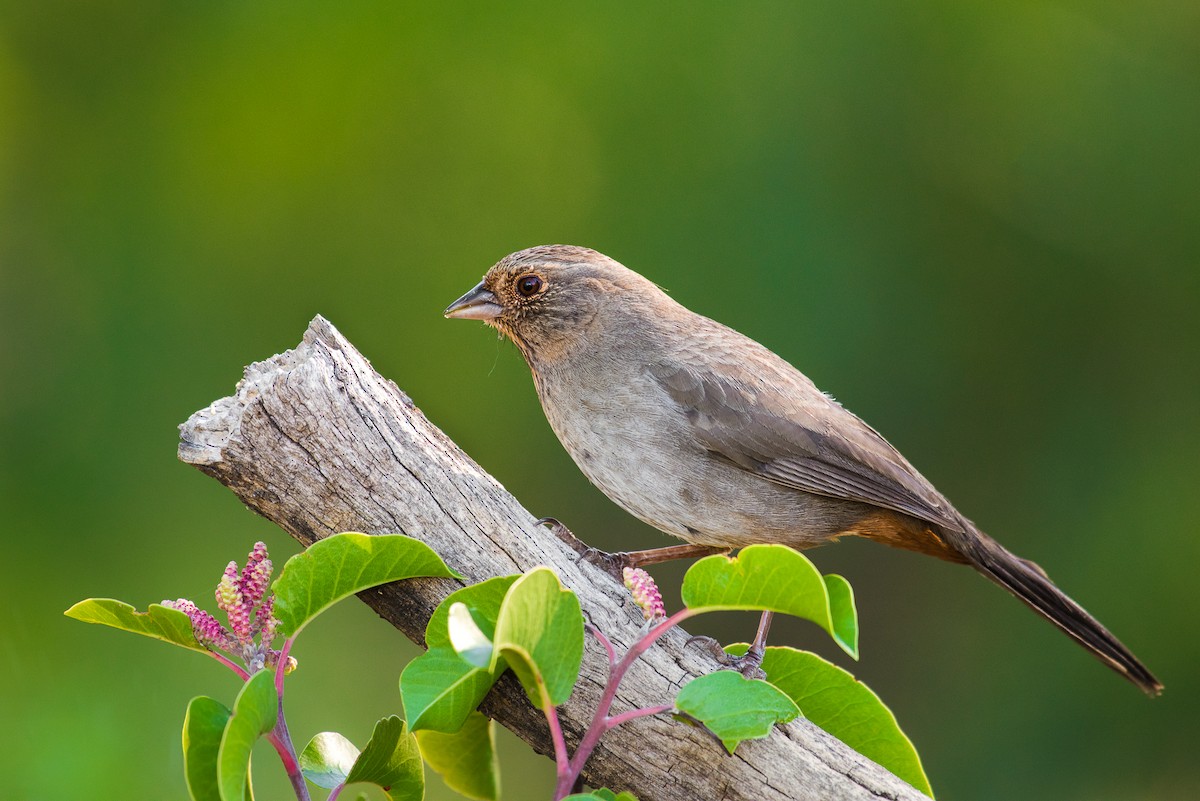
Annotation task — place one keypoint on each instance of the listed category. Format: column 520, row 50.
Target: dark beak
column 478, row 304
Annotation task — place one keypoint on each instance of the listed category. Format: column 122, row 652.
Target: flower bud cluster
column 256, row 575
column 645, row 593
column 233, row 603
column 208, row 631
column 242, row 595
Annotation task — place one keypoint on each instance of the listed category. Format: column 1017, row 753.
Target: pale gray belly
column 645, row 462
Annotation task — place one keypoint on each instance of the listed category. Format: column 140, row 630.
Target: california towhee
column 705, row 434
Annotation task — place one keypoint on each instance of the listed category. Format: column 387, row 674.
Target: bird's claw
column 556, row 526
column 563, row 533
column 749, row 664
column 710, row 645
column 611, row 563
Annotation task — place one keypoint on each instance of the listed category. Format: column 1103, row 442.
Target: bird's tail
column 1030, row 583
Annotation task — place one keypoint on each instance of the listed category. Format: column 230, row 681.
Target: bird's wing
column 780, row 426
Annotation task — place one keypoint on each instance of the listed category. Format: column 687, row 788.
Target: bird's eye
column 529, row 285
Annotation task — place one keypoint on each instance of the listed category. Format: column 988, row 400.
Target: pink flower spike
column 228, row 593
column 645, row 593
column 256, row 575
column 265, row 620
column 255, row 579
column 182, row 604
column 257, row 553
column 208, row 631
column 229, row 600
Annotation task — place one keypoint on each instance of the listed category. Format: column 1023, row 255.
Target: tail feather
column 1030, row 583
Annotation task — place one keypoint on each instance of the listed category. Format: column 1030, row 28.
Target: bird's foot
column 561, row 531
column 749, row 664
column 611, row 563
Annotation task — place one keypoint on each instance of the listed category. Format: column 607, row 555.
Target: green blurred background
column 977, row 226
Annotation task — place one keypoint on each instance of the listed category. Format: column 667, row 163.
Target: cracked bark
column 318, row 442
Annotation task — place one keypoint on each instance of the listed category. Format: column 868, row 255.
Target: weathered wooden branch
column 316, row 441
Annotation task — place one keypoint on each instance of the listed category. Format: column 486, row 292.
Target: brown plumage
column 705, row 434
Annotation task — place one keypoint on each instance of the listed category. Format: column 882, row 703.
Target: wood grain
column 315, row 440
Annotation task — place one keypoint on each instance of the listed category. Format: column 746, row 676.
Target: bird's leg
column 750, row 663
column 563, row 533
column 653, row 556
column 615, row 563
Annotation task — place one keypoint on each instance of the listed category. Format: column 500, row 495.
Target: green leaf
column 366, row 791
column 160, row 622
column 540, row 634
column 842, row 613
column 735, row 708
column 483, row 599
column 343, row 564
column 254, row 714
column 327, row 759
column 203, row 726
column 391, row 760
column 467, row 638
column 603, row 794
column 778, row 579
column 439, row 688
column 846, row 708
column 466, row 760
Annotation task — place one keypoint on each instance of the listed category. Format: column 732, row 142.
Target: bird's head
column 551, row 298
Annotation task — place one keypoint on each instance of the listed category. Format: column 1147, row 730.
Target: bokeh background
column 978, row 226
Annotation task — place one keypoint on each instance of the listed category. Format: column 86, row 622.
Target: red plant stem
column 601, row 722
column 562, row 763
column 280, row 666
column 607, row 643
column 281, row 748
column 281, row 739
column 633, row 714
column 641, row 646
column 229, row 663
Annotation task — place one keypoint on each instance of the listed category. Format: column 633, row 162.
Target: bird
column 709, row 436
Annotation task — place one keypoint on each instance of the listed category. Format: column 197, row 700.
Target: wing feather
column 784, row 429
